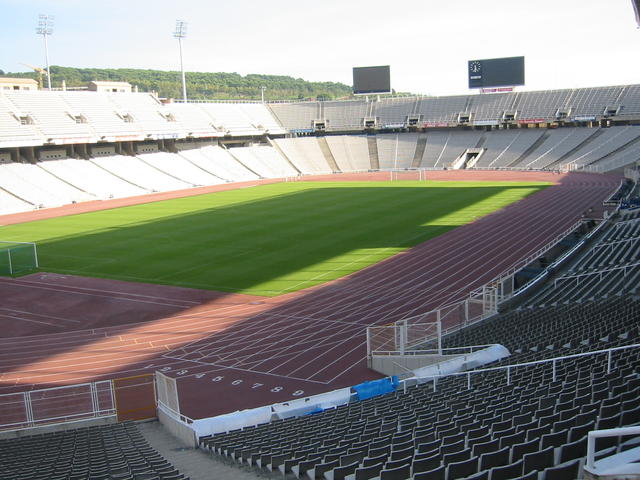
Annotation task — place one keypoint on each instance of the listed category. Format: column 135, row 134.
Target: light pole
column 45, row 28
column 180, row 33
column 262, row 89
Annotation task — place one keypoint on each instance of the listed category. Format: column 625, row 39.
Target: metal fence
column 56, row 405
column 130, row 398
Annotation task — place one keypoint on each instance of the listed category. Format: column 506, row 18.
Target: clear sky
column 566, row 43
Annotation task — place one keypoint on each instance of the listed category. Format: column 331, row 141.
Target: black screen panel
column 371, row 80
column 496, row 72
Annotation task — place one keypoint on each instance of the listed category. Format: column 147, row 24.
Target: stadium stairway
column 373, row 152
column 326, row 151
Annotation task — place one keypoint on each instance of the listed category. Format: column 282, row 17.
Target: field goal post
column 18, row 258
column 408, row 175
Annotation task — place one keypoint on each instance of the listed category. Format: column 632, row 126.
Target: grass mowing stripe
column 265, row 240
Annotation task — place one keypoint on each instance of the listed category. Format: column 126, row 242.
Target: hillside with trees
column 200, row 85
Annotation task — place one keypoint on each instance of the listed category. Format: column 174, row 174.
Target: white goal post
column 409, row 175
column 17, row 258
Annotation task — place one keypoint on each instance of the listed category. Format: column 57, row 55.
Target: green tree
column 200, row 85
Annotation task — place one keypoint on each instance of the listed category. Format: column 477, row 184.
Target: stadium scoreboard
column 496, row 72
column 371, row 80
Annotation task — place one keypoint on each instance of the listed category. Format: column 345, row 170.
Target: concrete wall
column 402, row 364
column 180, row 431
column 58, row 427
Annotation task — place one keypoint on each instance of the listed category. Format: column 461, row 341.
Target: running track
column 236, row 351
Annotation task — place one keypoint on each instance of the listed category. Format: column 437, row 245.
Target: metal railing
column 554, row 361
column 597, row 272
column 520, row 264
column 57, row 404
column 610, row 432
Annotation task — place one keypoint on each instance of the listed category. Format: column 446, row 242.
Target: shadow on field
column 257, row 247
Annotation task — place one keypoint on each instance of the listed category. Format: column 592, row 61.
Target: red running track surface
column 232, row 351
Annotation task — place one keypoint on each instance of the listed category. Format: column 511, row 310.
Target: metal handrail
column 553, row 361
column 520, row 264
column 597, row 272
column 610, row 432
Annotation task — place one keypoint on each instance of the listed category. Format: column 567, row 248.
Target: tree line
column 200, row 85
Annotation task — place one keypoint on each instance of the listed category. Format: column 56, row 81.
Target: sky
column 427, row 43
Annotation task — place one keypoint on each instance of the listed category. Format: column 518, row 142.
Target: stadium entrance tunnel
column 264, row 241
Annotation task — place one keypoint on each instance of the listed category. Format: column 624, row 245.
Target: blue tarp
column 376, row 387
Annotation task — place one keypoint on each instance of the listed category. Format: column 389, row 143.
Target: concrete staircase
column 373, row 152
column 328, row 155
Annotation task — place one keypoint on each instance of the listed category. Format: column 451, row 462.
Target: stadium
column 387, row 286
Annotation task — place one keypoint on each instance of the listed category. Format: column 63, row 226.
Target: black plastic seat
column 456, row 456
column 521, row 449
column 514, row 439
column 426, row 464
column 555, row 439
column 630, row 417
column 564, row 471
column 462, row 469
column 399, row 473
column 507, row 472
column 494, row 459
column 613, row 421
column 538, row 461
column 571, row 451
column 486, row 447
column 435, row 474
column 484, row 475
column 365, row 473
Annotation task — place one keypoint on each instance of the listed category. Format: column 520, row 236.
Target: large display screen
column 368, row 80
column 496, row 72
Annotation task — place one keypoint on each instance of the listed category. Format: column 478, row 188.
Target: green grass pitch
column 264, row 240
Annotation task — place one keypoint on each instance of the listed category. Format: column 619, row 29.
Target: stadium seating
column 555, row 145
column 297, row 116
column 15, row 127
column 305, row 154
column 116, row 451
column 490, row 107
column 231, row 119
column 392, row 111
column 51, row 115
column 264, row 161
column 140, row 173
column 455, row 144
column 35, row 185
column 441, row 109
column 491, row 424
column 350, row 152
column 12, row 204
column 178, row 167
column 87, row 176
column 609, row 141
column 107, row 120
column 536, row 420
column 545, row 105
column 505, row 148
column 611, row 267
column 345, row 115
column 149, row 113
column 218, row 162
column 396, row 150
column 260, row 116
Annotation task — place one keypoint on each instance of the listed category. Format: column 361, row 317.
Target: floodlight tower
column 262, row 89
column 45, row 28
column 180, row 33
